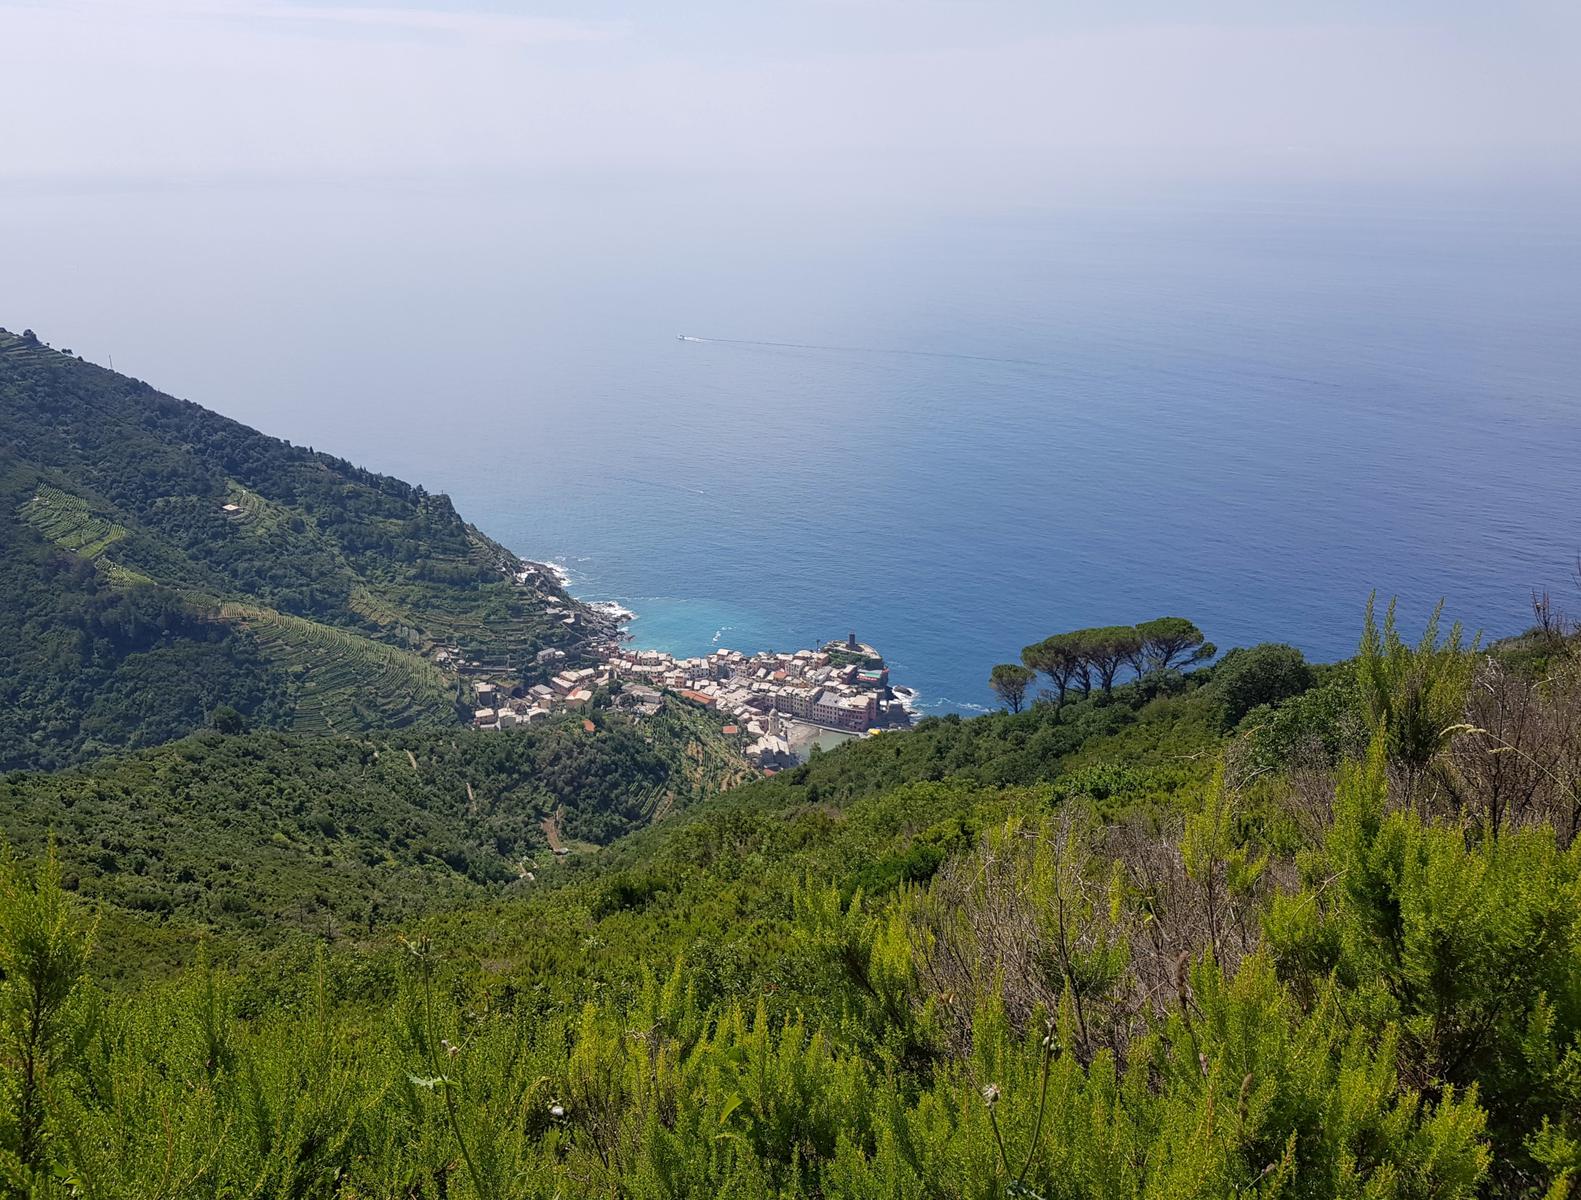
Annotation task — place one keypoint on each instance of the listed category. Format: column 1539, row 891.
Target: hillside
column 159, row 562
column 270, row 835
column 1157, row 943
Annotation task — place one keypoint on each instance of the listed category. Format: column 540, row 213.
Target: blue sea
column 951, row 432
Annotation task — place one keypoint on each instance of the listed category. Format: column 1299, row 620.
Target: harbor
column 783, row 705
column 787, row 702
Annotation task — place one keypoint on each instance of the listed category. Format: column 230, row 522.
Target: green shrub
column 1263, row 674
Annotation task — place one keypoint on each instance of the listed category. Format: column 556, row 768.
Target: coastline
column 789, row 722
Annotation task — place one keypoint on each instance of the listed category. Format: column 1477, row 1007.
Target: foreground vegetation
column 256, row 838
column 1262, row 930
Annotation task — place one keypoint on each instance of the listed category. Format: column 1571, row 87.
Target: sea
column 766, row 421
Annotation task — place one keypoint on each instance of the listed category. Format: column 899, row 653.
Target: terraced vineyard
column 380, row 612
column 125, row 575
column 250, row 506
column 501, row 642
column 707, row 761
column 65, row 520
column 33, row 353
column 341, row 681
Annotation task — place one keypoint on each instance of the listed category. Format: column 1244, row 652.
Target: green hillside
column 66, row 521
column 159, row 561
column 1256, row 931
column 339, row 681
column 280, row 834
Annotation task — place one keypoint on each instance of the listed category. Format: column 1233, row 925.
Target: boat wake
column 879, row 350
column 660, row 483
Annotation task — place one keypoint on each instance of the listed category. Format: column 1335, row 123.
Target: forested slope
column 159, row 561
column 266, row 836
column 1172, row 942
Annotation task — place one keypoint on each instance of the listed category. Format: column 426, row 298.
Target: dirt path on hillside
column 551, row 830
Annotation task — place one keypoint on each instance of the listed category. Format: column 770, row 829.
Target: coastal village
column 781, row 699
column 780, row 704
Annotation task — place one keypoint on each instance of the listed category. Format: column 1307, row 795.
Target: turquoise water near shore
column 971, row 429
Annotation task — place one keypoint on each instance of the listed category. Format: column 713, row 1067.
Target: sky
column 353, row 222
column 967, row 96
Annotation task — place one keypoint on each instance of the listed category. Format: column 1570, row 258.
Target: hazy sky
column 991, row 93
column 455, row 240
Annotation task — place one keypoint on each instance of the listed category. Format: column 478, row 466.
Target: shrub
column 1262, row 674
